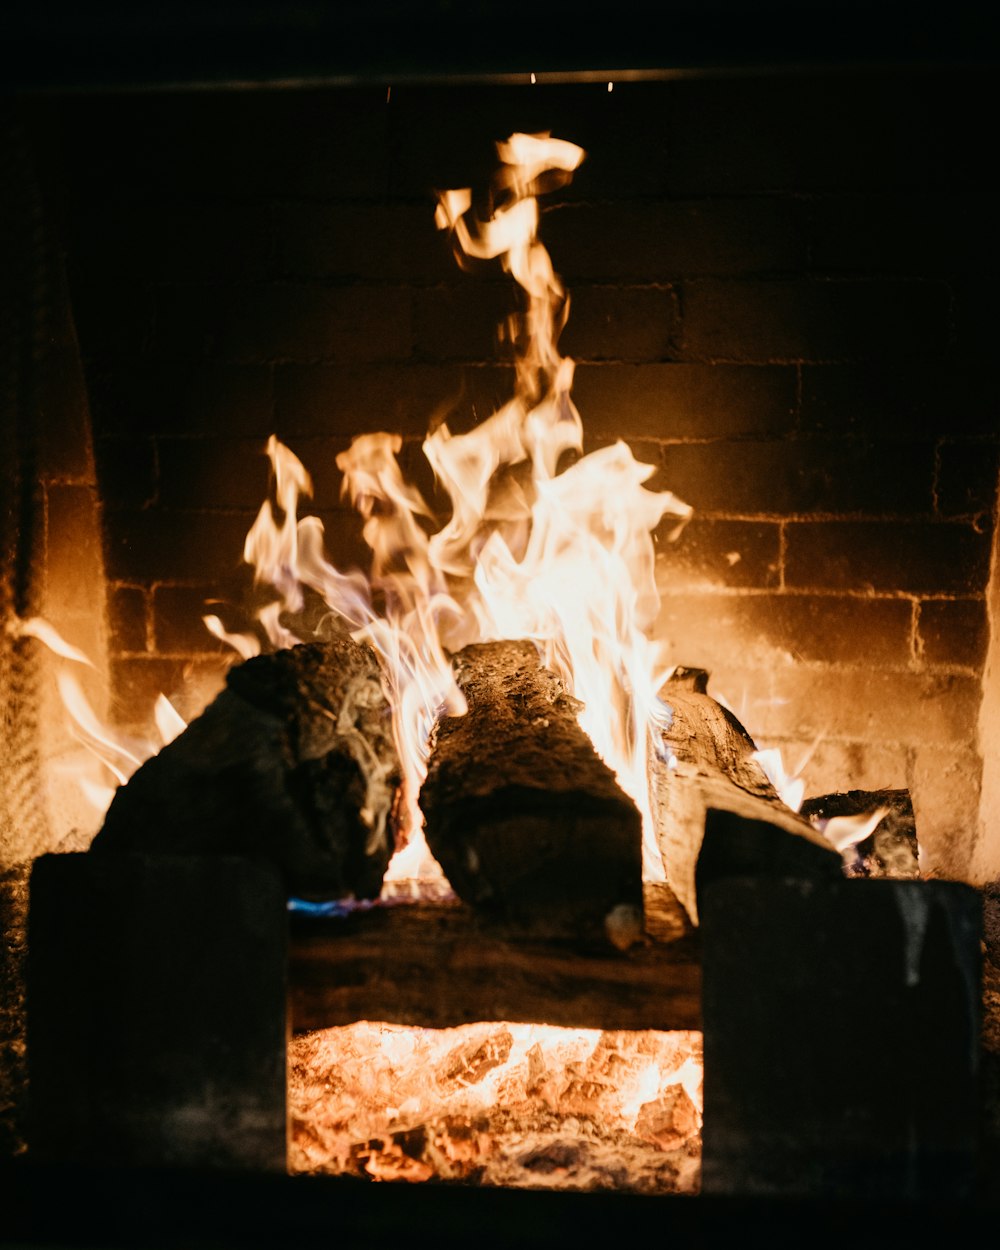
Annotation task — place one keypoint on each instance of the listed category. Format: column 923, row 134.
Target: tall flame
column 541, row 541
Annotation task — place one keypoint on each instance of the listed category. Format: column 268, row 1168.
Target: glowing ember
column 519, row 1105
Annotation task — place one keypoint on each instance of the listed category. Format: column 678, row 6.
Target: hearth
column 775, row 273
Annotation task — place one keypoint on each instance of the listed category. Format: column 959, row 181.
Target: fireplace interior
column 779, row 252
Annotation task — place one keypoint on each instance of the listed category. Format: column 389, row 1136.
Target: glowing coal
column 518, row 1105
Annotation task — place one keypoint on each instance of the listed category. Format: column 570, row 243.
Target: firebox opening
column 778, row 302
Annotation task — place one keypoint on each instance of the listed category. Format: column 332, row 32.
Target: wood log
column 293, row 762
column 440, row 965
column 708, row 765
column 891, row 849
column 528, row 823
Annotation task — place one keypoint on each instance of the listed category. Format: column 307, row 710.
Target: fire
column 523, row 1105
column 109, row 758
column 541, row 541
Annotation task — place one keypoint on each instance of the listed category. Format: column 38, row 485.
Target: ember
column 517, row 1105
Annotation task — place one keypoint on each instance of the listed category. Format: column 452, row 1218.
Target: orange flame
column 540, row 541
column 559, row 554
column 110, row 758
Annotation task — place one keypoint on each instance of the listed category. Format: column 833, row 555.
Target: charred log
column 293, row 762
column 528, row 823
column 708, row 765
column 891, row 849
column 441, row 965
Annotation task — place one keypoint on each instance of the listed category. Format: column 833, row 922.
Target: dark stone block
column 912, row 556
column 157, row 1012
column 841, row 1037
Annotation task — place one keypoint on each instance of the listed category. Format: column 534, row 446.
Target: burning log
column 890, row 849
column 710, row 775
column 294, row 763
column 528, row 823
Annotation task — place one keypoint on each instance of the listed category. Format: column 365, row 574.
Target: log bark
column 293, row 762
column 708, row 765
column 528, row 823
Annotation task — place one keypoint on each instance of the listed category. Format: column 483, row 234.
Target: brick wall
column 781, row 295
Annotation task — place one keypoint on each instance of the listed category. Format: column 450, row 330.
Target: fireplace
column 777, row 299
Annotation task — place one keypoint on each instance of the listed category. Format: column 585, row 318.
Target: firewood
column 528, row 823
column 891, row 849
column 437, row 965
column 707, row 768
column 293, row 762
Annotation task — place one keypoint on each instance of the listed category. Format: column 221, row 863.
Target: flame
column 539, row 541
column 110, row 758
column 36, row 627
column 790, row 786
column 845, row 833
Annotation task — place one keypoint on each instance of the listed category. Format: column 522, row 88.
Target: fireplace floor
column 163, row 1210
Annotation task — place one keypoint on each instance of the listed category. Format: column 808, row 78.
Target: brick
column 953, row 632
column 149, row 397
column 282, row 322
column 943, row 558
column 62, row 433
column 975, row 315
column 660, row 242
column 343, row 542
column 621, row 323
column 419, row 474
column 344, row 400
column 900, row 129
column 829, row 766
column 463, row 322
column 396, row 243
column 676, row 401
column 777, row 477
column 718, row 553
column 319, row 457
column 74, row 556
column 112, row 318
column 128, row 617
column 230, row 143
column 444, row 139
column 914, row 396
column 137, row 683
column 178, row 627
column 343, row 547
column 870, row 705
column 944, row 784
column 763, row 321
column 171, row 239
column 127, row 469
column 707, row 630
column 199, row 473
column 914, row 234
column 165, row 545
column 966, row 478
